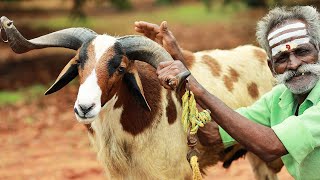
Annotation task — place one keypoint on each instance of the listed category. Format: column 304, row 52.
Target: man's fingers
column 149, row 26
column 139, row 30
column 163, row 65
column 167, row 81
column 164, row 27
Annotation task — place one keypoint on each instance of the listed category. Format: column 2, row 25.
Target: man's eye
column 281, row 59
column 302, row 52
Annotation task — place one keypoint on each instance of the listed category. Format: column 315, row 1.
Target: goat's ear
column 133, row 82
column 69, row 72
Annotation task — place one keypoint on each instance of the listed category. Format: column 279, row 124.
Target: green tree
column 208, row 4
column 77, row 9
column 121, row 4
column 256, row 3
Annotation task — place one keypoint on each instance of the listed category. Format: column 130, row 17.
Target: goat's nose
column 85, row 108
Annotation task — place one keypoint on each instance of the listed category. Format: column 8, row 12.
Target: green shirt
column 299, row 134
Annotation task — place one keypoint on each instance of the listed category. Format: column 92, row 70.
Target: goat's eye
column 121, row 69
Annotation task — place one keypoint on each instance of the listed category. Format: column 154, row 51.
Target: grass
column 122, row 23
column 7, row 97
column 21, row 95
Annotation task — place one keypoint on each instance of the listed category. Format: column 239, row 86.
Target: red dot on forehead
column 288, row 46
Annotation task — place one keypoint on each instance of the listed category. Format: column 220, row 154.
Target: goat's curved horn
column 143, row 49
column 71, row 38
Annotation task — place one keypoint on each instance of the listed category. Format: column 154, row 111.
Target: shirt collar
column 287, row 97
column 314, row 95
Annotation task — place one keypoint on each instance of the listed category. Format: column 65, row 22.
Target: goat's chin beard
column 86, row 120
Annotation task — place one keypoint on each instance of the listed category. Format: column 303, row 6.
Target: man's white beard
column 314, row 69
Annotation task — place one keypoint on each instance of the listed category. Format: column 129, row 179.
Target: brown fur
column 231, row 78
column 107, row 83
column 213, row 64
column 261, row 56
column 132, row 110
column 253, row 90
column 189, row 58
column 88, row 66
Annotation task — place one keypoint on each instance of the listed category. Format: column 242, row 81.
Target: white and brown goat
column 133, row 122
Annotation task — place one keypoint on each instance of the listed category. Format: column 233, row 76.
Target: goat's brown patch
column 171, row 109
column 231, row 78
column 253, row 90
column 107, row 84
column 260, row 55
column 188, row 58
column 89, row 128
column 135, row 119
column 89, row 64
column 213, row 64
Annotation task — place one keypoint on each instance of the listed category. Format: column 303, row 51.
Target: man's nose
column 294, row 62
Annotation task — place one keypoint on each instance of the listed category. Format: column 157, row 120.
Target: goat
column 133, row 122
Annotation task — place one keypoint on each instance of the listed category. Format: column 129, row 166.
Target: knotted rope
column 192, row 119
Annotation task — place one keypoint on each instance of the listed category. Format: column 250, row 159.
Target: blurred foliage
column 208, row 4
column 122, row 23
column 77, row 9
column 8, row 97
column 256, row 3
column 121, row 4
column 21, row 95
column 166, row 2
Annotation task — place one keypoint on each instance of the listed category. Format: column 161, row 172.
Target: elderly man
column 286, row 121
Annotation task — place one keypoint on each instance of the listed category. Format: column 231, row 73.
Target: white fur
column 245, row 63
column 89, row 94
column 101, row 44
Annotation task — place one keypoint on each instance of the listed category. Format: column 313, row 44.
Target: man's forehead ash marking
column 297, row 42
column 101, row 43
column 286, row 27
column 288, row 35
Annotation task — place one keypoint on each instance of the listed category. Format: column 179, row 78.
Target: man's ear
column 69, row 72
column 133, row 82
column 270, row 64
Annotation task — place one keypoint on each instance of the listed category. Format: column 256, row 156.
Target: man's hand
column 209, row 134
column 161, row 35
column 168, row 73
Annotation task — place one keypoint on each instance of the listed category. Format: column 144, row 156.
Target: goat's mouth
column 88, row 115
column 85, row 120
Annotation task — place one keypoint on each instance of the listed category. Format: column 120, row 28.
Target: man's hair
column 280, row 15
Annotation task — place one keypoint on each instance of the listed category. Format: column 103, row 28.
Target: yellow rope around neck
column 192, row 120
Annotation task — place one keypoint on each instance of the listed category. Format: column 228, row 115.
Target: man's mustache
column 305, row 68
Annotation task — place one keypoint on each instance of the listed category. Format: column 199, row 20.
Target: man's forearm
column 257, row 138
